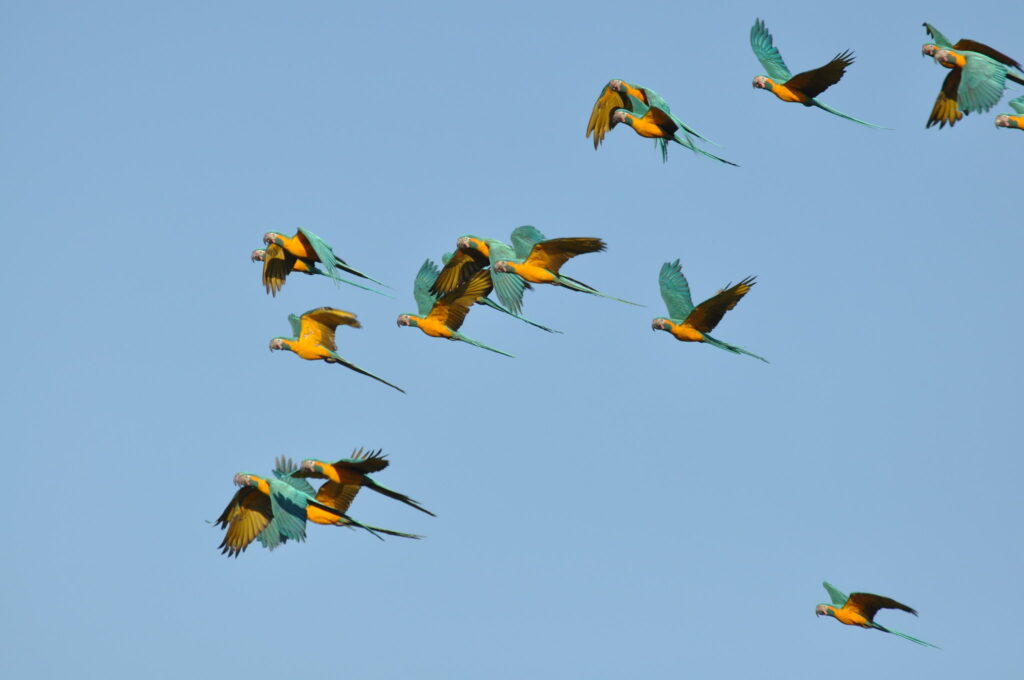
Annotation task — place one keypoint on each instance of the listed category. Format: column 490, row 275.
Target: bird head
column 272, row 237
column 929, row 49
column 258, row 255
column 278, row 343
column 616, row 85
column 312, row 466
column 407, row 320
column 824, row 610
column 1006, row 121
column 950, row 59
column 763, row 83
column 660, row 324
column 503, row 266
column 244, row 479
column 621, row 116
column 473, row 243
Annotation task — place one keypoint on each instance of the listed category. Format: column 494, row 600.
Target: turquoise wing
column 296, row 323
column 838, row 598
column 323, row 251
column 982, row 83
column 508, row 286
column 675, row 291
column 425, row 278
column 767, row 54
column 936, row 34
column 289, row 507
column 284, row 468
column 524, row 238
column 1018, row 105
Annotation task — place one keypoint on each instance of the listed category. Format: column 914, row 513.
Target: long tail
column 381, row 489
column 695, row 149
column 494, row 305
column 348, row 364
column 351, row 283
column 345, row 520
column 378, row 530
column 573, row 284
column 463, row 338
column 343, row 266
column 1015, row 76
column 826, row 107
column 731, row 348
column 687, row 129
column 903, row 635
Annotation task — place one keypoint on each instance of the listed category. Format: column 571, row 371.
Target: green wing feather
column 936, row 34
column 982, row 84
column 421, row 288
column 1018, row 105
column 296, row 323
column 767, row 53
column 839, row 598
column 284, row 468
column 288, row 506
column 675, row 290
column 524, row 238
column 507, row 285
column 324, row 253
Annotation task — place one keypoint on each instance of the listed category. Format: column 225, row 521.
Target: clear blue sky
column 611, row 503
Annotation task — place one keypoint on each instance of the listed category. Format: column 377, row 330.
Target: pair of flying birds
column 274, row 510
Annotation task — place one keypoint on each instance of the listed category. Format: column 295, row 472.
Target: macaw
column 545, row 259
column 308, row 246
column 338, row 497
column 803, row 88
column 859, row 609
column 269, row 510
column 346, row 476
column 976, row 80
column 647, row 113
column 441, row 317
column 313, row 338
column 474, row 254
column 1008, row 120
column 692, row 324
column 278, row 263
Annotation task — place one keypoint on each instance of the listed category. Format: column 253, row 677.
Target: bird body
column 353, row 473
column 1009, row 120
column 278, row 263
column 859, row 609
column 306, row 245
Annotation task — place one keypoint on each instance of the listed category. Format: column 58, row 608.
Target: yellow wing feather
column 451, row 308
column 707, row 314
column 245, row 517
column 318, row 325
column 277, row 264
column 552, row 254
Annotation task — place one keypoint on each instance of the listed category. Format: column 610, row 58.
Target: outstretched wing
column 867, row 605
column 451, row 308
column 838, row 597
column 296, row 323
column 323, row 251
column 463, row 264
column 425, row 279
column 936, row 35
column 288, row 472
column 814, row 82
column 337, row 496
column 318, row 325
column 982, row 84
column 601, row 115
column 288, row 506
column 974, row 46
column 524, row 238
column 767, row 53
column 1017, row 105
column 553, row 253
column 945, row 110
column 675, row 290
column 707, row 314
column 277, row 264
column 509, row 286
column 245, row 517
column 365, row 462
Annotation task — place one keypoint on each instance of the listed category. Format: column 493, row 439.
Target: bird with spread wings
column 859, row 609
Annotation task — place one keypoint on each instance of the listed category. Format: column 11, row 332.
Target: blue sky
column 611, row 503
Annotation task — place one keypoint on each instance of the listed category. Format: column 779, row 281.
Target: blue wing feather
column 767, row 53
column 675, row 290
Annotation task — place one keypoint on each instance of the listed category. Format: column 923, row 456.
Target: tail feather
column 696, row 149
column 731, row 348
column 471, row 341
column 573, row 284
column 355, row 272
column 351, row 283
column 381, row 489
column 494, row 305
column 903, row 635
column 834, row 112
column 1015, row 76
column 389, row 532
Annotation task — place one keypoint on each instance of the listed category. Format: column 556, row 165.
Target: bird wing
column 365, row 462
column 553, row 253
column 974, row 46
column 707, row 314
column 425, row 279
column 319, row 324
column 945, row 110
column 323, row 251
column 451, row 308
column 296, row 323
column 867, row 605
column 337, row 496
column 245, row 517
column 936, row 35
column 675, row 290
column 767, row 53
column 601, row 115
column 524, row 238
column 983, row 83
column 839, row 598
column 1017, row 105
column 288, row 472
column 463, row 264
column 509, row 286
column 288, row 506
column 814, row 82
column 663, row 120
column 277, row 264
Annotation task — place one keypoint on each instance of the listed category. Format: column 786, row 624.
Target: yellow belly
column 309, row 350
column 299, row 247
column 687, row 333
column 533, row 273
column 647, row 128
column 788, row 95
column 434, row 328
column 851, row 618
column 321, row 516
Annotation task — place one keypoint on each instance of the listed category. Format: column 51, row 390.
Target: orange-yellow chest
column 687, row 333
column 1018, row 121
column 263, row 486
column 434, row 327
column 646, row 127
column 301, row 266
column 299, row 246
column 788, row 95
column 321, row 516
column 533, row 273
column 851, row 618
column 307, row 349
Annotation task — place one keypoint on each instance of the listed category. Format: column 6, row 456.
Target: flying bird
column 474, row 254
column 544, row 262
column 803, row 88
column 313, row 338
column 441, row 317
column 308, row 246
column 278, row 263
column 1008, row 120
column 647, row 113
column 693, row 324
column 348, row 475
column 859, row 609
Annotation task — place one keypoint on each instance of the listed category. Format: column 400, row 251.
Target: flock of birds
column 274, row 510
